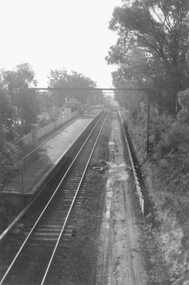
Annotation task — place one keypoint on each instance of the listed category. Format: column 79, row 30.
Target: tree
column 5, row 111
column 61, row 78
column 16, row 83
column 45, row 101
column 8, row 151
column 152, row 46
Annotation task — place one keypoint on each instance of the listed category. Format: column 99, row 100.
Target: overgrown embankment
column 166, row 175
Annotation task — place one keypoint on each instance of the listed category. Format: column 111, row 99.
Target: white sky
column 49, row 34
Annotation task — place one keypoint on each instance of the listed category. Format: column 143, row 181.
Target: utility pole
column 148, row 124
column 22, row 180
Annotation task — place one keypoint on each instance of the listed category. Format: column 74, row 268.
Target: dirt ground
column 120, row 260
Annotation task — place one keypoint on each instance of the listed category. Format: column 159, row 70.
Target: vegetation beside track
column 154, row 263
column 144, row 54
column 165, row 172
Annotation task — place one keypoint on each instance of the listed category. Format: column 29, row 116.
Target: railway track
column 137, row 181
column 45, row 221
column 146, row 205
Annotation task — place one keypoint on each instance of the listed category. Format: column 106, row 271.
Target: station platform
column 47, row 156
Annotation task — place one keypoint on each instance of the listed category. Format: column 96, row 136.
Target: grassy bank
column 165, row 175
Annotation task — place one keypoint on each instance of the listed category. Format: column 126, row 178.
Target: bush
column 160, row 126
column 8, row 156
column 183, row 99
column 172, row 137
column 176, row 139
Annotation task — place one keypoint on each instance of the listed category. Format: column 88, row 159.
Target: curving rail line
column 34, row 258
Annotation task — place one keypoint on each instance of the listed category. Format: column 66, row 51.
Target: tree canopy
column 152, row 47
column 59, row 78
column 16, row 83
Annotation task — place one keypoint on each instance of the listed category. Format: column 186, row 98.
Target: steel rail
column 136, row 278
column 19, row 216
column 47, row 205
column 137, row 184
column 72, row 204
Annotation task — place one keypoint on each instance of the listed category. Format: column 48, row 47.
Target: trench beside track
column 35, row 256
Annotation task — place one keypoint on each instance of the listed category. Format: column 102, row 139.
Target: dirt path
column 119, row 254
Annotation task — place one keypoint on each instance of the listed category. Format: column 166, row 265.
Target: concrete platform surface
column 45, row 158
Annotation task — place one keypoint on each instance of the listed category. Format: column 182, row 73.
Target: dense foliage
column 152, row 51
column 21, row 101
column 152, row 48
column 63, row 79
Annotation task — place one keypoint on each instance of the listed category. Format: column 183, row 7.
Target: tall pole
column 22, row 180
column 148, row 124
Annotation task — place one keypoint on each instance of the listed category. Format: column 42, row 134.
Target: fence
column 37, row 134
